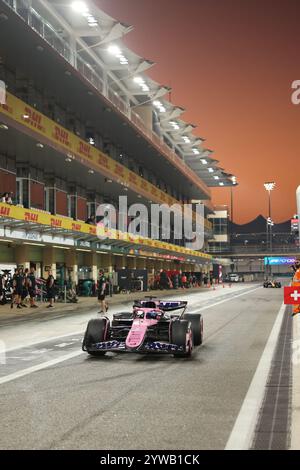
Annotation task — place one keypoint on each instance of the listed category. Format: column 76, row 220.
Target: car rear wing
column 169, row 306
column 166, row 306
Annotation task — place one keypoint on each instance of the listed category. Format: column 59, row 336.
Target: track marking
column 44, row 365
column 227, row 300
column 243, row 430
column 53, row 338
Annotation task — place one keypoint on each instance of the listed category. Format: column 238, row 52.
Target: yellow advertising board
column 69, row 143
column 58, row 222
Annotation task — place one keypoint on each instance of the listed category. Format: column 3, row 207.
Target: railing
column 256, row 249
column 48, row 33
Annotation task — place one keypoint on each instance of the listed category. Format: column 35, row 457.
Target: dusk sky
column 231, row 64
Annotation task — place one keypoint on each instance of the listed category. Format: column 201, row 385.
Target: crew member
column 50, row 289
column 102, row 283
column 32, row 287
column 296, row 283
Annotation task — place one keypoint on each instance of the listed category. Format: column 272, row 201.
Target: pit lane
column 131, row 401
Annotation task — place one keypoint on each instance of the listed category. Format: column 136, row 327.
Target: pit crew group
column 177, row 279
column 23, row 285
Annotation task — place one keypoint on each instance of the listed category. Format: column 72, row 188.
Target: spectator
column 102, row 283
column 31, row 282
column 9, row 199
column 184, row 280
column 50, row 289
column 4, row 197
column 91, row 220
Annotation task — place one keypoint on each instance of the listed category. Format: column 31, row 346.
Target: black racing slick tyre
column 179, row 331
column 196, row 321
column 95, row 333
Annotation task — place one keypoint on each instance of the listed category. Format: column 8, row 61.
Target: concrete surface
column 131, row 401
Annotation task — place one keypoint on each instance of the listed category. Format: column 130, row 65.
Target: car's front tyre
column 196, row 321
column 182, row 336
column 96, row 332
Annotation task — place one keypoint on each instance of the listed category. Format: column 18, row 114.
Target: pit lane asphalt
column 140, row 402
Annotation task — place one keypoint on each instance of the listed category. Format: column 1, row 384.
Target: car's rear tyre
column 196, row 321
column 179, row 331
column 95, row 333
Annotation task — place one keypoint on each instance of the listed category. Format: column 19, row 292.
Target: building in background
column 82, row 124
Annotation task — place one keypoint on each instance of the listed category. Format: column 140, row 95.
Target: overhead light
column 139, row 80
column 160, row 106
column 175, row 125
column 211, row 170
column 39, row 145
column 91, row 172
column 6, row 241
column 25, row 116
column 204, row 161
column 91, row 141
column 79, row 7
column 115, row 50
column 3, row 126
column 34, row 244
column 270, row 186
column 85, row 251
column 221, row 184
column 61, row 247
column 186, row 139
column 68, row 160
column 196, row 151
column 216, row 177
column 108, row 180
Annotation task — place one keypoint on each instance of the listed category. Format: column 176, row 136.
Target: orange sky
column 231, row 64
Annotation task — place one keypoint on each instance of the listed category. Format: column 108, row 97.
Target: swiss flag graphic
column 292, row 295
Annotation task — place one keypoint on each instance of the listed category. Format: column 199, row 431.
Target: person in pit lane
column 102, row 283
column 296, row 283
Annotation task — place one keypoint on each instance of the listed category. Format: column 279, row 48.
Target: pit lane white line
column 44, row 365
column 241, row 436
column 226, row 300
column 53, row 338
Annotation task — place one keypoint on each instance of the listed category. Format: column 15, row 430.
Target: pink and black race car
column 153, row 326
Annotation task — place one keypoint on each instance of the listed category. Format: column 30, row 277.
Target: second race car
column 272, row 284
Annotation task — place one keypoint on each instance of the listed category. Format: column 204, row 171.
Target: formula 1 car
column 272, row 284
column 153, row 326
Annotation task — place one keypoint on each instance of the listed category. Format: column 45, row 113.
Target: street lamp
column 234, row 183
column 269, row 186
